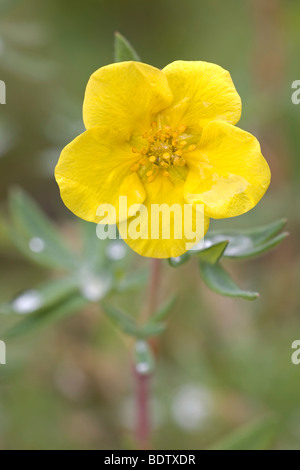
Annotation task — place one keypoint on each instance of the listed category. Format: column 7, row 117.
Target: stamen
column 164, row 149
column 191, row 148
column 135, row 167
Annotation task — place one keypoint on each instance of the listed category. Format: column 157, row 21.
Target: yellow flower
column 162, row 137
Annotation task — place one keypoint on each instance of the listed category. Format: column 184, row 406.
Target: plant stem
column 142, row 410
column 143, row 381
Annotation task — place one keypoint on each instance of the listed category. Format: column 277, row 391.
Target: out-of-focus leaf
column 121, row 319
column 54, row 313
column 7, row 5
column 179, row 260
column 248, row 243
column 212, row 254
column 218, row 280
column 36, row 236
column 256, row 436
column 41, row 298
column 150, row 330
column 162, row 313
column 132, row 281
column 124, row 50
column 128, row 325
column 144, row 360
column 93, row 249
column 94, row 286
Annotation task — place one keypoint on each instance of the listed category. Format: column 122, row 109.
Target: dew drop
column 191, row 406
column 95, row 288
column 143, row 368
column 141, row 347
column 28, row 302
column 37, row 245
column 116, row 251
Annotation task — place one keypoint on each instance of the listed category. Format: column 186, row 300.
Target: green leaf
column 144, row 360
column 248, row 243
column 256, row 436
column 123, row 50
column 45, row 317
column 218, row 280
column 121, row 319
column 128, row 325
column 132, row 281
column 179, row 260
column 41, row 298
column 162, row 313
column 150, row 330
column 93, row 249
column 212, row 254
column 35, row 236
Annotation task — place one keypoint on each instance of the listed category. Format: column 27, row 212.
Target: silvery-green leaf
column 247, row 243
column 162, row 313
column 218, row 280
column 41, row 298
column 36, row 236
column 124, row 50
column 179, row 260
column 213, row 253
column 54, row 313
column 256, row 436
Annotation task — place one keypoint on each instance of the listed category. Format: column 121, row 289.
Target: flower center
column 164, row 149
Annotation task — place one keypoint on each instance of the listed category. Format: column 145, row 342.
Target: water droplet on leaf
column 28, row 302
column 37, row 245
column 116, row 251
column 95, row 288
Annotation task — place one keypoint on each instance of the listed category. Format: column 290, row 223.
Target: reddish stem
column 143, row 424
column 143, row 381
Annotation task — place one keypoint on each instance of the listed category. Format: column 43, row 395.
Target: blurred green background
column 223, row 363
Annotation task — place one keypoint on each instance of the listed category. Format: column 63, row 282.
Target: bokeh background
column 223, row 363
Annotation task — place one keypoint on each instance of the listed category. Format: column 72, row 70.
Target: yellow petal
column 227, row 173
column 152, row 235
column 203, row 92
column 93, row 170
column 125, row 96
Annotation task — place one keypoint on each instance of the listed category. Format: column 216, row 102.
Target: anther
column 135, row 167
column 191, row 148
column 152, row 159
